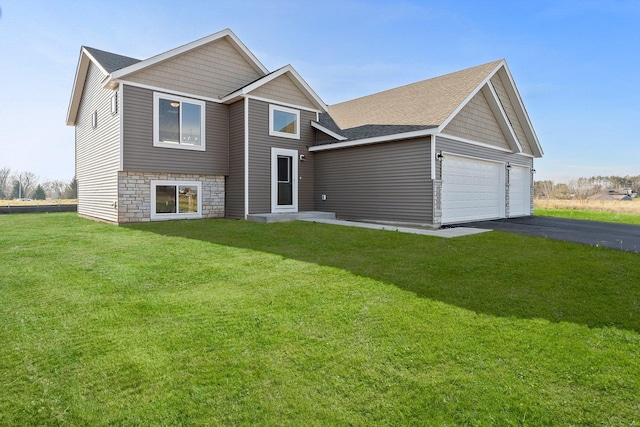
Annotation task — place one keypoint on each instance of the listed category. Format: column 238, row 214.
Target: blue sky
column 576, row 63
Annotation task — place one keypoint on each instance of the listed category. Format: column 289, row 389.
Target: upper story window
column 284, row 122
column 178, row 122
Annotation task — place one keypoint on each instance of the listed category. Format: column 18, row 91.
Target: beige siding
column 498, row 85
column 385, row 182
column 212, row 70
column 234, row 186
column 97, row 151
column 477, row 122
column 283, row 89
column 141, row 155
column 260, row 144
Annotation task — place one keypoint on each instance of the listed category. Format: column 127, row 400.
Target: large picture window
column 178, row 122
column 284, row 122
column 176, row 199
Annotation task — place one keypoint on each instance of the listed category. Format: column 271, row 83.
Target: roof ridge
column 465, row 70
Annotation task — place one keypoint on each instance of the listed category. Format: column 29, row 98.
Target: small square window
column 114, row 103
column 284, row 122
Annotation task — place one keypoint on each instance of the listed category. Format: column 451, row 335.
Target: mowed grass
column 218, row 322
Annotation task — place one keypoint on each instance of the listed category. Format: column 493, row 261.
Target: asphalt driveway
column 616, row 236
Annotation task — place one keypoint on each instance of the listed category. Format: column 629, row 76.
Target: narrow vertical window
column 114, row 103
column 94, row 119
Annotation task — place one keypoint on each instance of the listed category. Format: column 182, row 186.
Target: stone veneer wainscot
column 134, row 194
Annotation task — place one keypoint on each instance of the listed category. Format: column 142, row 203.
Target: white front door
column 284, row 180
column 472, row 189
column 519, row 191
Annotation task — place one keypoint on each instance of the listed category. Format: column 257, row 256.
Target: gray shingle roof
column 111, row 61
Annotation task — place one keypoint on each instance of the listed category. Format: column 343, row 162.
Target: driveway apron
column 623, row 237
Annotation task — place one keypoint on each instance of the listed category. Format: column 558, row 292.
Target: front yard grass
column 218, row 322
column 603, row 216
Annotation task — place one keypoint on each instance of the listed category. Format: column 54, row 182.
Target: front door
column 284, row 182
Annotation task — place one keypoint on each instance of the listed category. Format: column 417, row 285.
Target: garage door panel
column 472, row 189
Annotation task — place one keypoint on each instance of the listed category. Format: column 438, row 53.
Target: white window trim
column 156, row 121
column 275, row 152
column 164, row 216
column 273, row 132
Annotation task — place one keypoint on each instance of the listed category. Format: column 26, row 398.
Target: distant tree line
column 583, row 188
column 27, row 185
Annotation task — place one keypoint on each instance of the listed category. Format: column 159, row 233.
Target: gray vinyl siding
column 140, row 154
column 469, row 150
column 234, row 185
column 97, row 151
column 260, row 144
column 387, row 182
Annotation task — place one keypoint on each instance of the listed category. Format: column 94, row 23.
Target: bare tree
column 543, row 189
column 28, row 181
column 55, row 189
column 4, row 182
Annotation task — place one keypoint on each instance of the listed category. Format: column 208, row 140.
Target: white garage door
column 472, row 189
column 519, row 191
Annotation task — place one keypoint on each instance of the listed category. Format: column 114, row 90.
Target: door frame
column 293, row 154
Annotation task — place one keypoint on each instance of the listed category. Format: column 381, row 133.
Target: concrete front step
column 289, row 216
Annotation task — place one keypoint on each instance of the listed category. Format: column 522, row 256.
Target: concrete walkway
column 446, row 232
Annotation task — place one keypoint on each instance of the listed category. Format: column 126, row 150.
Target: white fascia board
column 471, row 95
column 512, row 91
column 283, row 104
column 190, row 46
column 297, row 79
column 327, row 131
column 375, row 140
column 498, row 111
column 78, row 83
column 164, row 90
column 472, row 142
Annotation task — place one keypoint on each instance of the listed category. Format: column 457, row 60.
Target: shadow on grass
column 494, row 273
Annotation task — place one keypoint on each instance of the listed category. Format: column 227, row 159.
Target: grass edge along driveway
column 237, row 323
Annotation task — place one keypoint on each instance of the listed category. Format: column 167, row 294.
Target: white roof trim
column 190, row 46
column 375, row 140
column 297, row 79
column 327, row 131
column 521, row 113
column 472, row 142
column 78, row 83
column 498, row 111
column 471, row 95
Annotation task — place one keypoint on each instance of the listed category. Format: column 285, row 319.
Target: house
column 206, row 131
column 625, row 195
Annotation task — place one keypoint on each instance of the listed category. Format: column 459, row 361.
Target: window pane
column 191, row 124
column 166, row 199
column 284, row 121
column 284, row 169
column 188, row 199
column 169, row 121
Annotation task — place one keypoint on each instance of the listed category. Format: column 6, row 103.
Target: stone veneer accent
column 134, row 194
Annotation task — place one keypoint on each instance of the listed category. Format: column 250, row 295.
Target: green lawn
column 219, row 322
column 604, row 216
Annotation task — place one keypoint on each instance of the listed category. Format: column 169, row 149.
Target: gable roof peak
column 428, row 102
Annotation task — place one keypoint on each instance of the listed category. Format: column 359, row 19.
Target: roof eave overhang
column 328, row 131
column 78, row 83
column 227, row 33
column 297, row 79
column 376, row 139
